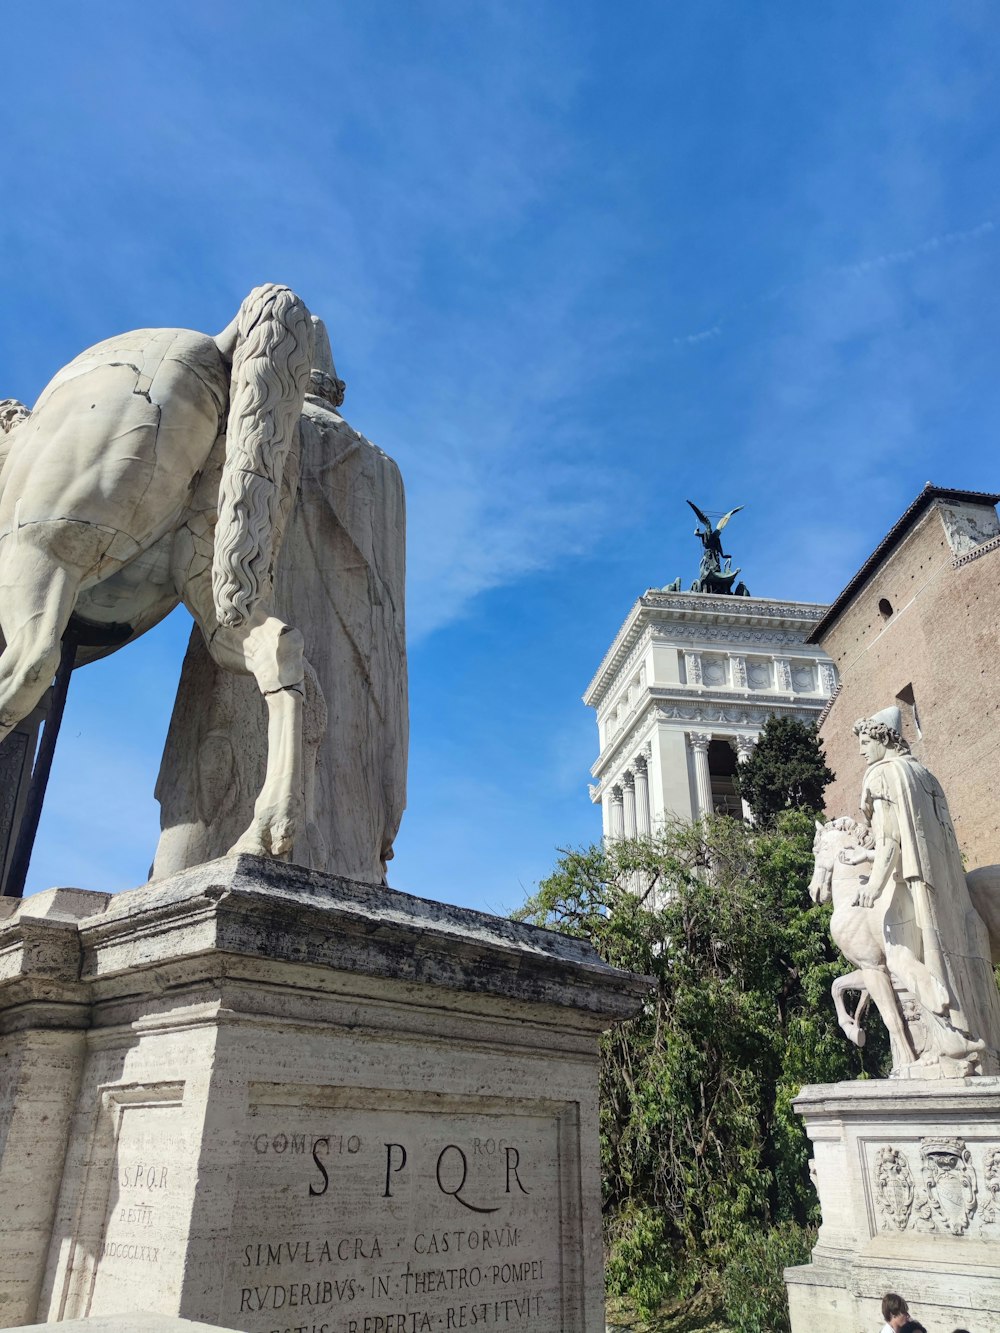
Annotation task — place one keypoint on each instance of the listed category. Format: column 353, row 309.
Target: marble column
column 699, row 742
column 628, row 785
column 643, row 823
column 744, row 749
column 617, row 815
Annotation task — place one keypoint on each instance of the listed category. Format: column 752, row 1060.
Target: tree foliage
column 787, row 770
column 703, row 1155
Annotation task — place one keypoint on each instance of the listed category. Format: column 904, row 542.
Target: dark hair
column 893, row 1304
column 961, row 1330
column 912, row 1327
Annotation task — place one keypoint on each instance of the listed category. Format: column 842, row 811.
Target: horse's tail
column 270, row 374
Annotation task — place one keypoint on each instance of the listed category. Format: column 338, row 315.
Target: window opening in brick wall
column 907, row 701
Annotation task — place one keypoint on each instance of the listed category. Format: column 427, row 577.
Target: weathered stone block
column 129, row 1323
column 908, row 1176
column 309, row 1103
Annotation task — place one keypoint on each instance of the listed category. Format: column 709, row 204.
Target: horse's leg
column 880, row 988
column 850, row 929
column 37, row 595
column 271, row 651
column 861, row 936
column 848, row 1022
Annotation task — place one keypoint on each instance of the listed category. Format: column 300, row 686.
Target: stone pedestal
column 266, row 1098
column 908, row 1176
column 129, row 1323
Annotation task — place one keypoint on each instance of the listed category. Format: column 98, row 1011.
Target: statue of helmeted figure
column 937, row 946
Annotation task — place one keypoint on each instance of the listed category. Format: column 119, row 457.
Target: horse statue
column 150, row 472
column 840, row 850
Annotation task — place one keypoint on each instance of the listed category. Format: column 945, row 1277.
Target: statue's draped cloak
column 339, row 579
column 932, row 914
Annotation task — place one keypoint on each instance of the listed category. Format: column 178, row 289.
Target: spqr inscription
column 451, row 1172
column 137, row 1247
column 371, row 1220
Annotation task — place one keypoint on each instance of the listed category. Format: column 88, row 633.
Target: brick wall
column 937, row 648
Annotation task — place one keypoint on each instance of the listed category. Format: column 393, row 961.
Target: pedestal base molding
column 266, row 1098
column 908, row 1176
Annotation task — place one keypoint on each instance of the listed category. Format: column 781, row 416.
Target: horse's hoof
column 282, row 841
column 251, row 844
column 853, row 1033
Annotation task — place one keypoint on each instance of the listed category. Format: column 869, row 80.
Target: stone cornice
column 671, row 631
column 717, row 609
column 686, row 614
column 828, row 705
column 196, row 924
column 983, row 548
column 40, row 975
column 712, row 696
column 702, row 707
column 640, row 642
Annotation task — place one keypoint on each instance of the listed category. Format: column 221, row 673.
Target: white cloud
column 949, row 238
column 388, row 191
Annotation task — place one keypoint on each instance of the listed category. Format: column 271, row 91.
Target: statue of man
column 936, row 944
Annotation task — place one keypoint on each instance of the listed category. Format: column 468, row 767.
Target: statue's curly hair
column 12, row 413
column 322, row 385
column 881, row 732
column 848, row 824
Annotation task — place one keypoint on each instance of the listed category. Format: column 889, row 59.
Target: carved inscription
column 137, row 1250
column 397, row 1213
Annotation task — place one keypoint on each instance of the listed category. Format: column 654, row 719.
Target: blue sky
column 578, row 262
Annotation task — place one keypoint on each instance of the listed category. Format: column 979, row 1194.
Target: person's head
column 911, row 1326
column 876, row 737
column 895, row 1311
column 961, row 1330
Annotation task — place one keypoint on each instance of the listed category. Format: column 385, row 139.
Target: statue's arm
column 885, row 827
column 856, row 856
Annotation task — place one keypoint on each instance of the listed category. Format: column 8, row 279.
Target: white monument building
column 684, row 692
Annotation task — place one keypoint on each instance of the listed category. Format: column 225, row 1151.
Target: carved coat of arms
column 893, row 1187
column 950, row 1182
column 991, row 1169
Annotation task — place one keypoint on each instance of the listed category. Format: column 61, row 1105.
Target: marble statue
column 340, row 579
column 923, row 936
column 150, row 473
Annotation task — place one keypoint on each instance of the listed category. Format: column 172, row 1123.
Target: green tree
column 786, row 771
column 702, row 1153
